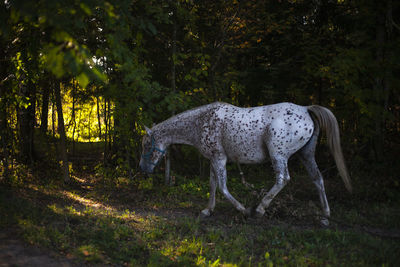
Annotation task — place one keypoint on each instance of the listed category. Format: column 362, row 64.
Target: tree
column 139, row 62
column 61, row 130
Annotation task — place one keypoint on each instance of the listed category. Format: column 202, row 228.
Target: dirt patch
column 14, row 252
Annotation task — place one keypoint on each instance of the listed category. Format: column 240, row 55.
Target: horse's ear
column 148, row 131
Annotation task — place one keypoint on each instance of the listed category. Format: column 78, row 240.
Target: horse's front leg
column 211, row 202
column 219, row 169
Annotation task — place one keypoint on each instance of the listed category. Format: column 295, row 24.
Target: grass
column 104, row 218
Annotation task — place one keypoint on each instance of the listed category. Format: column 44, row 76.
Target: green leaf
column 152, row 28
column 86, row 9
column 83, row 80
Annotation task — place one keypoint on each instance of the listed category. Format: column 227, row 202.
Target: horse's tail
column 328, row 122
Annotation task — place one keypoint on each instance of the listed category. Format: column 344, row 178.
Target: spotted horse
column 223, row 132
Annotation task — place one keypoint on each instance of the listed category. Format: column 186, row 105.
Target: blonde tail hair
column 328, row 122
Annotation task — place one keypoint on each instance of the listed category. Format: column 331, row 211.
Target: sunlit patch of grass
column 85, row 201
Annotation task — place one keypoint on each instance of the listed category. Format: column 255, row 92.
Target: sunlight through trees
column 125, row 64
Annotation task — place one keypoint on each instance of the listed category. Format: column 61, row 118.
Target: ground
column 15, row 252
column 100, row 219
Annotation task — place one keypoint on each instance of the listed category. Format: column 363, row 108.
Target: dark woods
column 97, row 71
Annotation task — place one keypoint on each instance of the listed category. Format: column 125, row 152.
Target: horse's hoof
column 324, row 222
column 258, row 212
column 253, row 212
column 205, row 214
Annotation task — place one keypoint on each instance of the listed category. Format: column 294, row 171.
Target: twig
column 250, row 186
column 395, row 25
column 7, row 78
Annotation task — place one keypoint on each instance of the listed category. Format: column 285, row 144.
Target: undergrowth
column 140, row 222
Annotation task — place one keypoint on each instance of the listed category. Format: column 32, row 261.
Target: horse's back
column 247, row 135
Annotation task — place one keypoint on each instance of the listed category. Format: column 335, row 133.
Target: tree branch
column 395, row 25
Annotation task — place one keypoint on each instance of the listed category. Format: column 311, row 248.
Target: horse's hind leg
column 211, row 202
column 279, row 163
column 307, row 156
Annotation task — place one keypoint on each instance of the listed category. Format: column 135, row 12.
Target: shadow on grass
column 68, row 226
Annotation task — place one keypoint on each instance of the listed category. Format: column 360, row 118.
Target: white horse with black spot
column 223, row 132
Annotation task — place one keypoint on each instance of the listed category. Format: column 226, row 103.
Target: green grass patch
column 143, row 223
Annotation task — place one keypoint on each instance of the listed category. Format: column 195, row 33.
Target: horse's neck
column 178, row 130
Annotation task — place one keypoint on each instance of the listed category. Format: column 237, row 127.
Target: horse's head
column 152, row 151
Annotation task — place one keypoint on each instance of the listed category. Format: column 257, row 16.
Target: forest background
column 80, row 79
column 101, row 70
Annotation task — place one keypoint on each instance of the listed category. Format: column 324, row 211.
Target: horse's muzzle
column 146, row 168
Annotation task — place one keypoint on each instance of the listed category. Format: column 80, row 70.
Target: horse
column 223, row 132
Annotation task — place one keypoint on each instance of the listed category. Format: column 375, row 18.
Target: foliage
column 115, row 59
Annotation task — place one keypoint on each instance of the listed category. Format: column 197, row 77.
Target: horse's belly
column 245, row 150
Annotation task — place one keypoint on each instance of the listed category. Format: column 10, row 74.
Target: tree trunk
column 105, row 133
column 389, row 55
column 168, row 180
column 45, row 108
column 98, row 116
column 26, row 121
column 53, row 115
column 4, row 133
column 90, row 124
column 61, row 131
column 79, row 125
column 382, row 79
column 73, row 116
